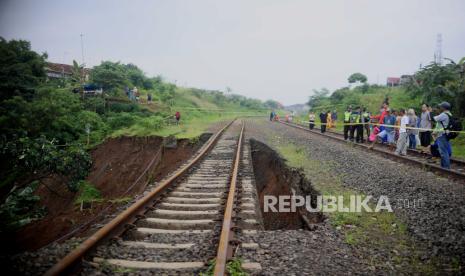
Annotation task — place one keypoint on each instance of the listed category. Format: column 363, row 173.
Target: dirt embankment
column 274, row 178
column 122, row 167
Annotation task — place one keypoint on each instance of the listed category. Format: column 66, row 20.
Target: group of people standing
column 134, row 95
column 401, row 129
column 356, row 123
column 406, row 130
column 328, row 120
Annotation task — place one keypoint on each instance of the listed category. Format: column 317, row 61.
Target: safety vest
column 355, row 118
column 347, row 116
column 366, row 117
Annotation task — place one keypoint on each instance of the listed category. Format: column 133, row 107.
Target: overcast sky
column 262, row 49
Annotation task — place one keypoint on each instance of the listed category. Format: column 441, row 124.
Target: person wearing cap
column 442, row 122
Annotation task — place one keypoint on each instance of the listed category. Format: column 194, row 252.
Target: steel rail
column 225, row 250
column 432, row 167
column 116, row 225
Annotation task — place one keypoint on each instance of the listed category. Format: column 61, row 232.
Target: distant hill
column 297, row 108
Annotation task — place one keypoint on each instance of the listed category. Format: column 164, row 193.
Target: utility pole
column 82, row 66
column 438, row 52
column 82, row 49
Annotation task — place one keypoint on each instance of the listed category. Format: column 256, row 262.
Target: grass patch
column 233, row 268
column 458, row 146
column 191, row 126
column 88, row 193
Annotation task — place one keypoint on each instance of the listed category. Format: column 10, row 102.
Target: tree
column 77, row 75
column 109, row 75
column 21, row 69
column 436, row 83
column 339, row 94
column 357, row 77
column 317, row 97
column 272, row 104
column 135, row 75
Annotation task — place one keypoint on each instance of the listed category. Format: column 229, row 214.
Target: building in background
column 405, row 79
column 62, row 71
column 392, row 82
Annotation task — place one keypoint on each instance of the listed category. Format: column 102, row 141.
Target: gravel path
column 438, row 223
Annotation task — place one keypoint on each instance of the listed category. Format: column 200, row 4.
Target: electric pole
column 438, row 52
column 82, row 49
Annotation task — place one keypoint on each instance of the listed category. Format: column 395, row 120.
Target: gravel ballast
column 436, row 224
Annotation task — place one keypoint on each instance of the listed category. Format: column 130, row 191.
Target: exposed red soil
column 117, row 164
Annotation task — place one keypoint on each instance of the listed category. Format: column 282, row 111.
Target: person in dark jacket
column 323, row 119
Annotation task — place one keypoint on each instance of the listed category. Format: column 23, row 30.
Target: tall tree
column 109, row 75
column 317, row 97
column 357, row 77
column 436, row 83
column 21, row 69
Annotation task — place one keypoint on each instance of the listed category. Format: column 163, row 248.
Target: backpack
column 454, row 125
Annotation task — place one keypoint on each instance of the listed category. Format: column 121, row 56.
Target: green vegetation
column 233, row 267
column 88, row 193
column 48, row 125
column 432, row 84
column 357, row 77
column 20, row 208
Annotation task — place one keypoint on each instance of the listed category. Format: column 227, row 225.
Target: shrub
column 120, row 120
column 88, row 193
column 20, row 208
column 44, row 157
column 153, row 122
column 124, row 107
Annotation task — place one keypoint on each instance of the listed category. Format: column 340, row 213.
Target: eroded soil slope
column 117, row 166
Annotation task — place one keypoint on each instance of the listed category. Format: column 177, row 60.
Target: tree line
column 47, row 130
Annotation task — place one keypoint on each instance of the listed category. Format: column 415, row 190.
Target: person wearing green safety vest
column 355, row 121
column 366, row 120
column 347, row 127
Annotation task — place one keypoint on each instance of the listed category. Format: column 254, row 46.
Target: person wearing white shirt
column 402, row 142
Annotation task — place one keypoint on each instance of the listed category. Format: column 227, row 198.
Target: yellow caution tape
column 393, row 126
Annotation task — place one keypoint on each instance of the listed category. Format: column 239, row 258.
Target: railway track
column 414, row 157
column 206, row 210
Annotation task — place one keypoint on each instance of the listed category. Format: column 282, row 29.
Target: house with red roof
column 62, row 71
column 392, row 81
